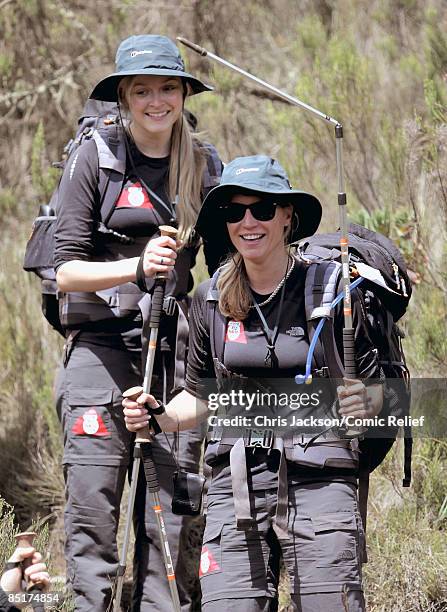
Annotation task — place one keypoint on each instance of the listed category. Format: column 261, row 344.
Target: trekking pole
column 25, row 540
column 348, row 330
column 143, row 450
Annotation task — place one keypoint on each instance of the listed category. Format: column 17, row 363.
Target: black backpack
column 100, row 121
column 379, row 270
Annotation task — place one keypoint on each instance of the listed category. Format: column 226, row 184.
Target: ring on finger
column 161, row 261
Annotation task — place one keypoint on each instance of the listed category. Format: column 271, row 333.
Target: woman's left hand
column 355, row 399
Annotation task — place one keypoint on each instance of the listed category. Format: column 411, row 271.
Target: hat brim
column 107, row 89
column 211, row 227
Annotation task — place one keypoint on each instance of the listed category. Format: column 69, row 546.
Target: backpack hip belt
column 77, row 308
column 327, row 451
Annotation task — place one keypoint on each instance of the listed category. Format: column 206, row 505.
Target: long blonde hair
column 233, row 288
column 185, row 148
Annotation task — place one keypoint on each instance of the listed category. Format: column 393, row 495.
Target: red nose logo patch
column 90, row 424
column 134, row 196
column 208, row 563
column 235, row 332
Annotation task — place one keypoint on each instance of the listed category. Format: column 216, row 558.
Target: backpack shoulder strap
column 112, row 167
column 215, row 319
column 320, row 289
column 213, row 168
column 111, row 148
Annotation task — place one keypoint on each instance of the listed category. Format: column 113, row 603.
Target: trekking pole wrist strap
column 140, row 277
column 11, row 565
column 160, row 409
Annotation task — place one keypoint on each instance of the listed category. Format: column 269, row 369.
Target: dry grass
column 380, row 68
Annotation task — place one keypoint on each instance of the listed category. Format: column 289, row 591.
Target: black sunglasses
column 263, row 210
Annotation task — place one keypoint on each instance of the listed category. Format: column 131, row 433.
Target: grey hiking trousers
column 97, row 459
column 239, row 570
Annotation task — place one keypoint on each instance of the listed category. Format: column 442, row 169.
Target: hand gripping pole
column 25, row 540
column 143, row 451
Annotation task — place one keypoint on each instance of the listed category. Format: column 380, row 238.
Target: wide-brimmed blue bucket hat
column 262, row 176
column 146, row 54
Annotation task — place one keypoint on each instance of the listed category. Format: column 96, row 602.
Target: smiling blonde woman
column 274, row 492
column 168, row 171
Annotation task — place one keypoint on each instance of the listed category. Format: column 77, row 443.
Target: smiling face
column 154, row 102
column 258, row 240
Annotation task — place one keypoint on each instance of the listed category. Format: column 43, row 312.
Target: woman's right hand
column 136, row 414
column 160, row 255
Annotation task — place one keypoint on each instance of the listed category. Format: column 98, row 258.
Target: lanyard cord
column 271, row 360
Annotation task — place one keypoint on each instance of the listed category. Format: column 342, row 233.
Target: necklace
column 281, row 283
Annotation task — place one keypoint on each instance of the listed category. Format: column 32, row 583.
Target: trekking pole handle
column 166, row 230
column 193, row 46
column 349, row 353
column 25, row 540
column 145, row 433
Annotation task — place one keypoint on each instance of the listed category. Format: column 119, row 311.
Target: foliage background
column 379, row 67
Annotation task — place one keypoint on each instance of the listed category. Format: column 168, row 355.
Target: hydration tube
column 307, row 377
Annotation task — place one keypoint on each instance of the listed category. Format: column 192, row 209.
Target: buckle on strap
column 215, row 435
column 322, row 372
column 169, row 305
column 258, row 438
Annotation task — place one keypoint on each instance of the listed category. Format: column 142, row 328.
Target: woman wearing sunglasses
column 267, row 498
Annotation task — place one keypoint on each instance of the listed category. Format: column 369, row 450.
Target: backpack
column 384, row 291
column 99, row 121
column 380, row 273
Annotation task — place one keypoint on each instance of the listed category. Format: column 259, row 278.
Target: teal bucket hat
column 146, row 54
column 256, row 175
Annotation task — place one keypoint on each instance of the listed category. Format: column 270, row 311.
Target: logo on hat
column 241, row 170
column 144, row 52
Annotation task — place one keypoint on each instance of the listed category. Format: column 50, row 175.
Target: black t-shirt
column 136, row 214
